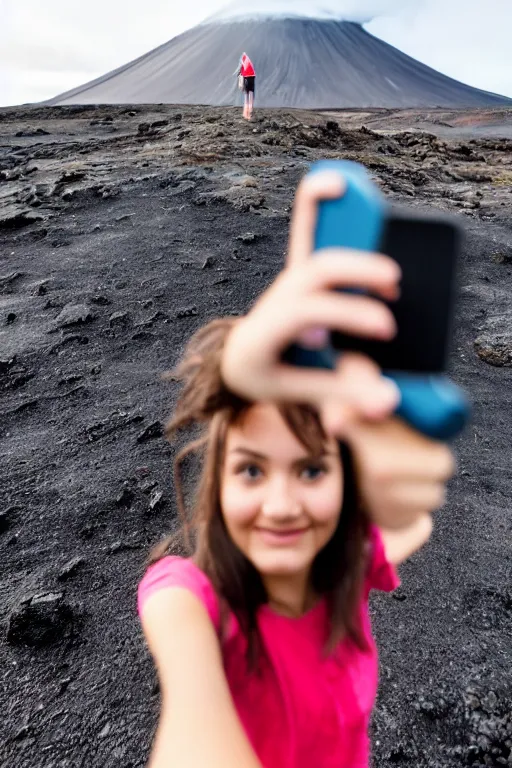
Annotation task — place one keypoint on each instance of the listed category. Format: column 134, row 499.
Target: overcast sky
column 49, row 46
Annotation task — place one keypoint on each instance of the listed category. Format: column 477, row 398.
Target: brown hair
column 338, row 569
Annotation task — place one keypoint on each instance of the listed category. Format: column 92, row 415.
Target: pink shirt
column 306, row 709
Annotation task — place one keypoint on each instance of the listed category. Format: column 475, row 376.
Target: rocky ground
column 121, row 231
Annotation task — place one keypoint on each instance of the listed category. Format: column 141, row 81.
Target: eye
column 312, row 472
column 249, row 471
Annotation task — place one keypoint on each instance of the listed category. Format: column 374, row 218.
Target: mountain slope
column 304, row 63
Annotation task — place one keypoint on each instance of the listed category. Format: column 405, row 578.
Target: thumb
column 361, row 395
column 371, row 395
column 338, row 418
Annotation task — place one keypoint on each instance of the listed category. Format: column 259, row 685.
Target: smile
column 272, row 536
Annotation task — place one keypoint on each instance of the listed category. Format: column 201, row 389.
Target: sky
column 50, row 46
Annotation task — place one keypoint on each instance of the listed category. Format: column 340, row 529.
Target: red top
column 306, row 709
column 246, row 67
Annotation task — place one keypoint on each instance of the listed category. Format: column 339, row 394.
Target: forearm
column 212, row 742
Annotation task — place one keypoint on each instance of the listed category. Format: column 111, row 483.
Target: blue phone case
column 432, row 404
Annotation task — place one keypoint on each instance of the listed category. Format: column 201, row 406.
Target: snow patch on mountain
column 360, row 11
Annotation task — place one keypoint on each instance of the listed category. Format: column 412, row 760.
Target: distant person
column 247, row 80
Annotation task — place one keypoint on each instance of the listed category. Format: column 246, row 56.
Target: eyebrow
column 262, row 457
column 248, row 452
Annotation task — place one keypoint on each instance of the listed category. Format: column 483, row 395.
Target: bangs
column 303, row 422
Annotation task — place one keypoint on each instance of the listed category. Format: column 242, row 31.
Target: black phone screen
column 426, row 250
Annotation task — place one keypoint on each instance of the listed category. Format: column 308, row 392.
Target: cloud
column 348, row 10
column 47, row 48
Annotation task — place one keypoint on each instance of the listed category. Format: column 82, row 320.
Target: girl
column 310, row 494
column 247, row 75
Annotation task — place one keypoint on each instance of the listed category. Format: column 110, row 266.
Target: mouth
column 274, row 536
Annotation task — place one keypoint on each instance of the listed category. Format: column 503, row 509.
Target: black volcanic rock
column 40, row 620
column 495, row 347
column 302, row 63
column 73, row 314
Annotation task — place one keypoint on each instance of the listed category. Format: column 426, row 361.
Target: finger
column 364, row 394
column 327, row 185
column 372, row 395
column 359, row 316
column 334, row 268
column 336, row 397
column 419, row 456
column 411, row 455
column 408, row 499
column 344, row 268
column 336, row 417
column 340, row 416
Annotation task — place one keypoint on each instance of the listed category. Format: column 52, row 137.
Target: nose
column 280, row 504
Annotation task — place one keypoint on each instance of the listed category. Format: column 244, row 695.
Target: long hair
column 338, row 569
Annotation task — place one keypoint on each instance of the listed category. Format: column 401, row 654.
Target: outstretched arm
column 199, row 725
column 401, row 479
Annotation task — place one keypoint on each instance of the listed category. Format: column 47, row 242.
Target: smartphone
column 427, row 250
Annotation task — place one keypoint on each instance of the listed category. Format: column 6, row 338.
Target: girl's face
column 280, row 504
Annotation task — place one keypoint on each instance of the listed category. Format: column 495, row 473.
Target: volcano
column 301, row 62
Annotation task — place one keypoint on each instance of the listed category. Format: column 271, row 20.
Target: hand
column 302, row 300
column 401, row 475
